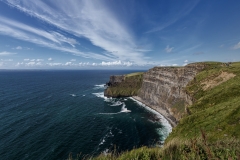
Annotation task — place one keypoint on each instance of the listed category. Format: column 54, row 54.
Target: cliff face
column 115, row 80
column 163, row 89
column 124, row 85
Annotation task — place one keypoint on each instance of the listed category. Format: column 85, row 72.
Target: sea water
column 50, row 114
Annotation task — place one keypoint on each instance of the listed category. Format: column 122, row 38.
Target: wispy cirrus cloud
column 88, row 19
column 5, row 53
column 237, row 46
column 40, row 37
column 168, row 49
column 19, row 47
column 176, row 13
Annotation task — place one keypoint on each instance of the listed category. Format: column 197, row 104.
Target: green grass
column 216, row 110
column 134, row 74
column 129, row 87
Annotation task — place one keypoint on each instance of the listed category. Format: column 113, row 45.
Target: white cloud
column 30, row 64
column 19, row 64
column 89, row 19
column 116, row 63
column 237, row 46
column 32, row 60
column 1, row 64
column 174, row 64
column 4, row 53
column 19, row 47
column 26, row 59
column 73, row 60
column 39, row 60
column 68, row 63
column 127, row 63
column 54, row 64
column 184, row 64
column 186, row 61
column 7, row 60
column 39, row 63
column 168, row 49
column 111, row 63
column 50, row 59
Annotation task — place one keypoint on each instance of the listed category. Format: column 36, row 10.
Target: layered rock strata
column 163, row 90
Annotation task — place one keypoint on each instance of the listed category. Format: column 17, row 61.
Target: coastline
column 161, row 111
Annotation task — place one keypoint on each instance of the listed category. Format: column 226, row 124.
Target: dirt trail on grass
column 223, row 77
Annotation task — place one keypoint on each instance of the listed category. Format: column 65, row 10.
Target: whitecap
column 74, row 95
column 102, row 142
column 167, row 128
column 101, row 95
column 124, row 109
column 99, row 86
column 118, row 103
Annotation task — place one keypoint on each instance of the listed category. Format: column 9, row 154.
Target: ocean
column 50, row 114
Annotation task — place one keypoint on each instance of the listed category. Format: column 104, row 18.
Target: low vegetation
column 129, row 87
column 211, row 127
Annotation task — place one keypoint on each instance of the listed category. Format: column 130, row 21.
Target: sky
column 117, row 34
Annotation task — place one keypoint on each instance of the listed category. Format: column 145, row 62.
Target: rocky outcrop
column 115, row 80
column 124, row 85
column 163, row 90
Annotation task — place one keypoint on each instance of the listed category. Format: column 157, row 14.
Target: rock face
column 124, row 85
column 114, row 80
column 163, row 89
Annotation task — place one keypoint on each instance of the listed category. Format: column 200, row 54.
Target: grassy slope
column 212, row 128
column 215, row 110
column 129, row 87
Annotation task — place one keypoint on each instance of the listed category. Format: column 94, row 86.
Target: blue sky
column 117, row 34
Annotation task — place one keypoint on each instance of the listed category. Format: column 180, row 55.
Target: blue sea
column 51, row 114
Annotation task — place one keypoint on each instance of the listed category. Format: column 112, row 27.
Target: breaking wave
column 167, row 126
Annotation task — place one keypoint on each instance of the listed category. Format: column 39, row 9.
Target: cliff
column 209, row 93
column 163, row 89
column 124, row 85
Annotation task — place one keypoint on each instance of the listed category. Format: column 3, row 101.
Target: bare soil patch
column 223, row 77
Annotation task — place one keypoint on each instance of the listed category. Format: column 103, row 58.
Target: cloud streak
column 168, row 49
column 4, row 53
column 237, row 46
column 175, row 15
column 88, row 19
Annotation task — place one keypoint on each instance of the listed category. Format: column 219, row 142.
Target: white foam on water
column 167, row 126
column 83, row 95
column 118, row 103
column 102, row 142
column 99, row 86
column 101, row 95
column 74, row 95
column 109, row 134
column 124, row 109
